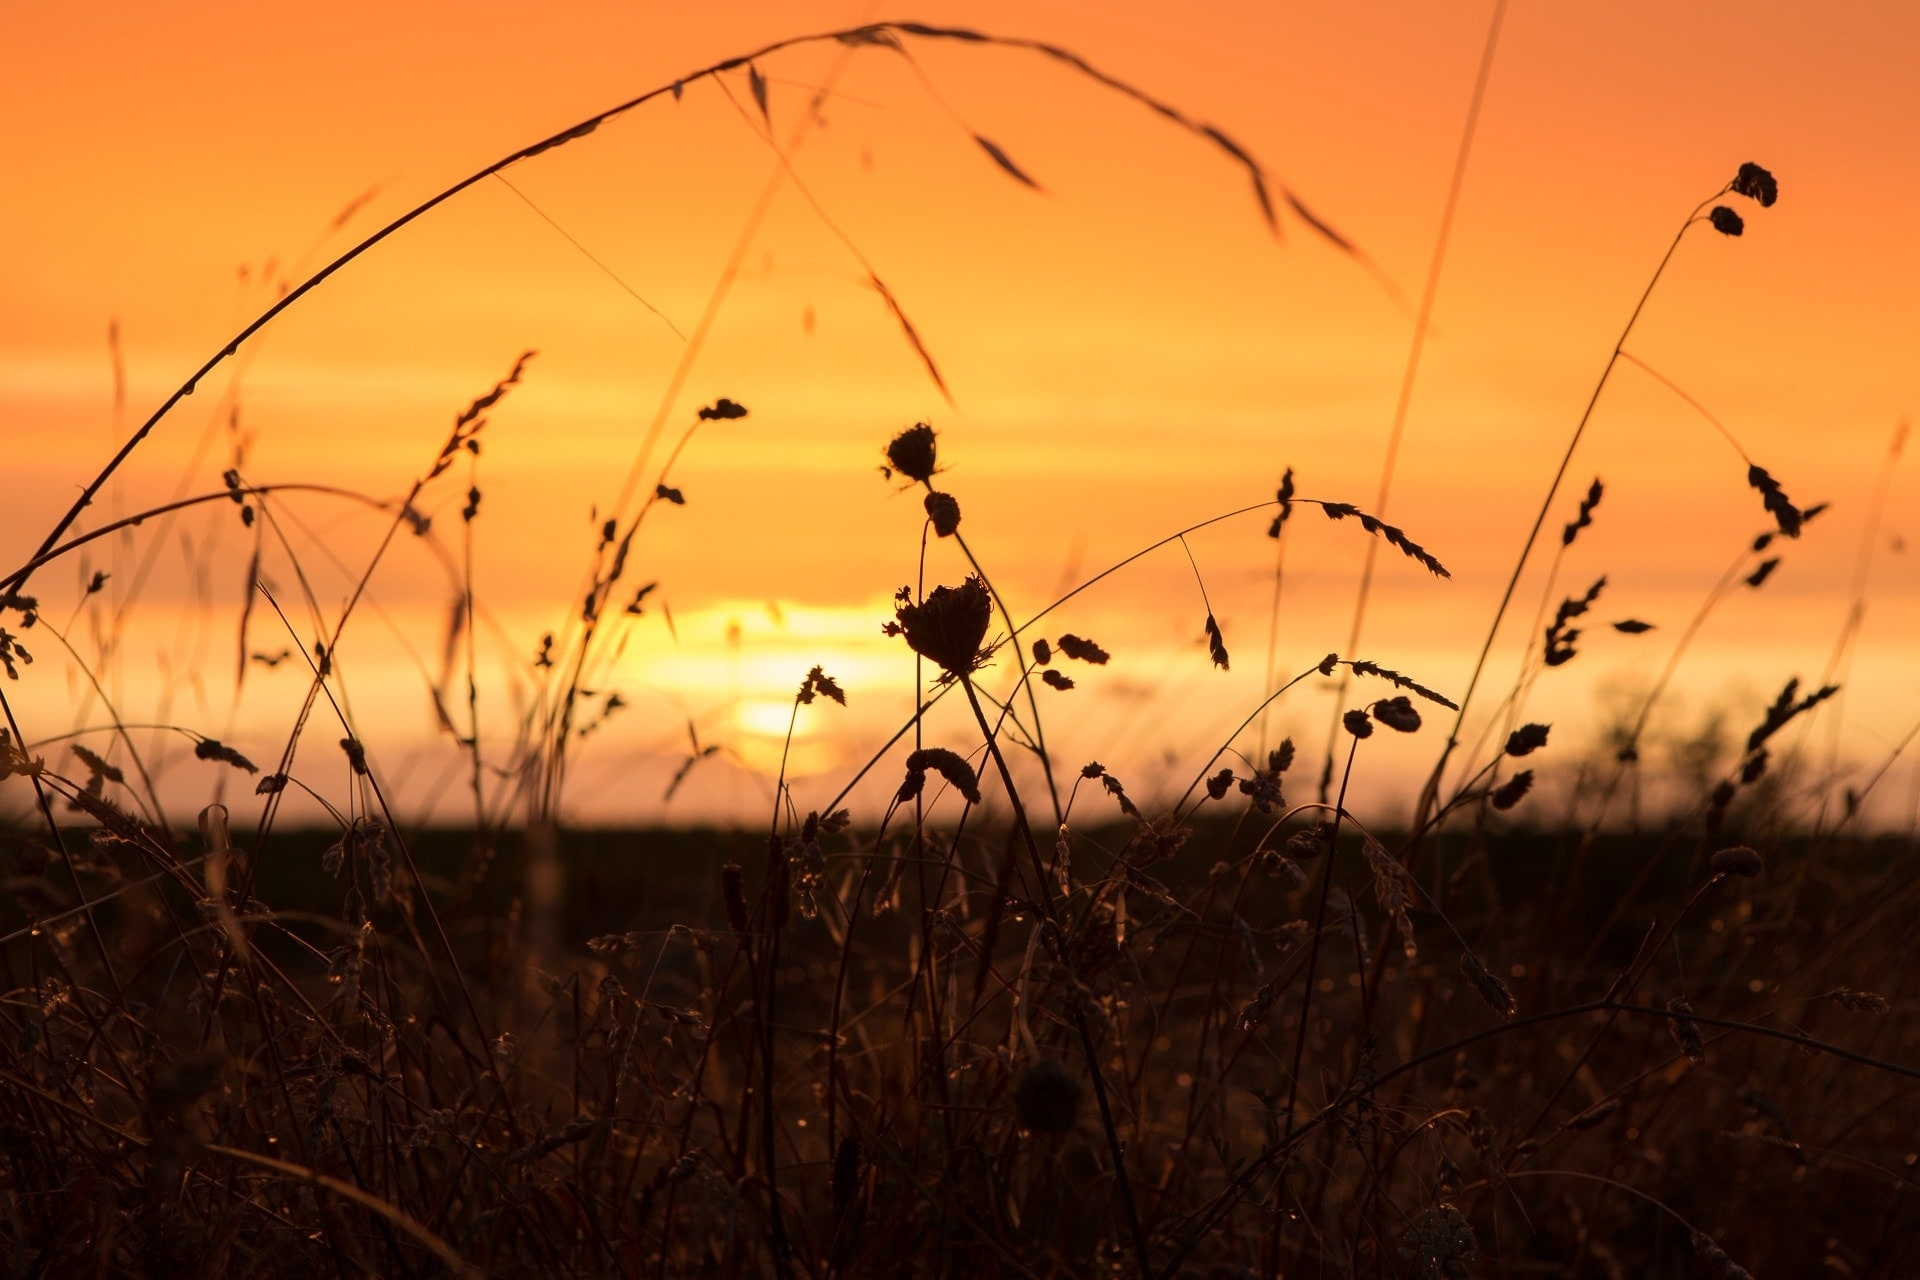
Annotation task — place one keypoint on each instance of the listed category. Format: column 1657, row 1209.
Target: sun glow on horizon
column 1125, row 347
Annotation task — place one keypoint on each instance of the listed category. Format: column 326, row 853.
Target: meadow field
column 998, row 941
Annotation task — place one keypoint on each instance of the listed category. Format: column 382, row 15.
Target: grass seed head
column 1513, row 790
column 1082, row 650
column 1772, row 496
column 1527, row 739
column 948, row 764
column 1495, row 994
column 1284, row 497
column 1585, row 517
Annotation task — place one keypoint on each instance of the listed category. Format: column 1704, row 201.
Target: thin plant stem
column 1430, row 795
column 1422, row 325
column 1057, row 941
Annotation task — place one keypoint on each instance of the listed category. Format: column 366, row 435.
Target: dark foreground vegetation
column 441, row 1073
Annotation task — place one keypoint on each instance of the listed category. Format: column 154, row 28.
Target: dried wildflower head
column 1726, row 221
column 949, row 625
column 1756, row 183
column 912, row 453
column 944, row 511
column 1737, row 861
column 1357, row 724
column 1046, row 1097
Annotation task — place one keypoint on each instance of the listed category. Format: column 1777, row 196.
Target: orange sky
column 1129, row 350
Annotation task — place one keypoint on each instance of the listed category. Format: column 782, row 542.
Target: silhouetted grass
column 1017, row 1021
